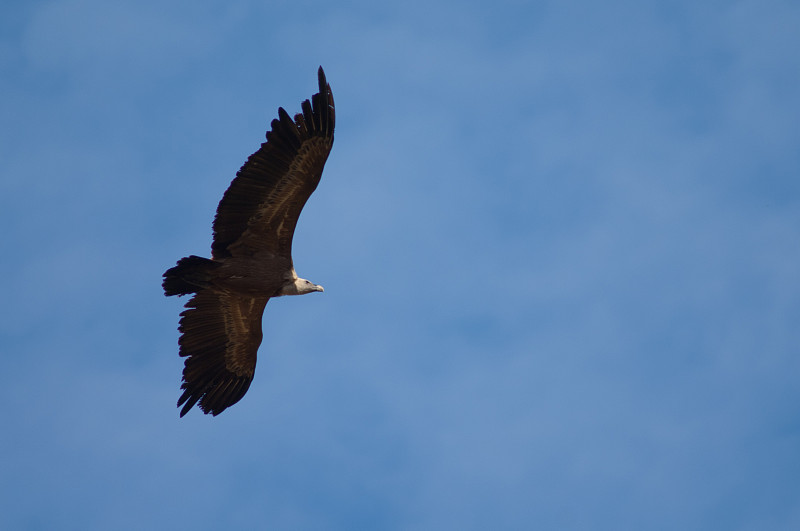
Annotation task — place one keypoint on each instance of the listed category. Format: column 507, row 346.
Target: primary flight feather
column 251, row 256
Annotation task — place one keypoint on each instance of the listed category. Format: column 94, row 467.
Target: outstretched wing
column 259, row 211
column 220, row 335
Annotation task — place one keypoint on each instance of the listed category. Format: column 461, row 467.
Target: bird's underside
column 251, row 257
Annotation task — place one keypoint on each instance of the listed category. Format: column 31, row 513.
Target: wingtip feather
column 321, row 76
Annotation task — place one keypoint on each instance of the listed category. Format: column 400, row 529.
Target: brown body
column 251, row 256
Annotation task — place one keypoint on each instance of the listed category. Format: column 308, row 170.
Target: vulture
column 251, row 257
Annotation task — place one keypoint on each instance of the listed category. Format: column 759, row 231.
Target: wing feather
column 220, row 335
column 259, row 211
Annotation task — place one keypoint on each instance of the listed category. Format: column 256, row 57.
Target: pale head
column 299, row 286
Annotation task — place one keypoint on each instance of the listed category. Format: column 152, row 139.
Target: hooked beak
column 318, row 288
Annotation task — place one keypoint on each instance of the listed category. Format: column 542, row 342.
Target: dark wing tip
column 213, row 398
column 323, row 106
column 190, row 401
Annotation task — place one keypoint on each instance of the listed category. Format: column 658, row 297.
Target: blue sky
column 559, row 241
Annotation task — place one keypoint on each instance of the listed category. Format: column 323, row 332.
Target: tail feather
column 192, row 274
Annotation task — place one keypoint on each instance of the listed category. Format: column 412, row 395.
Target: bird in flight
column 251, row 256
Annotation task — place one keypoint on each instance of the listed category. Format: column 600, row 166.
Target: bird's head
column 306, row 286
column 299, row 286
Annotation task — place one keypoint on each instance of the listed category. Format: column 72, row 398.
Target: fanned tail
column 191, row 275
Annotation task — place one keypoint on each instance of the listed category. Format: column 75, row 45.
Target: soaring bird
column 251, row 256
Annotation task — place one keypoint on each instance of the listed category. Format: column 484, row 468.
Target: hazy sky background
column 559, row 240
